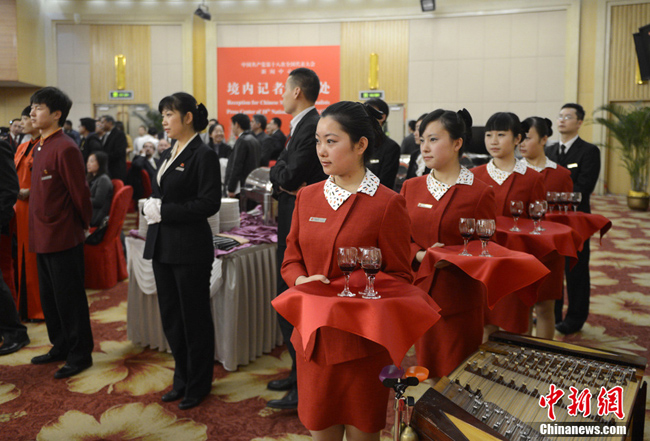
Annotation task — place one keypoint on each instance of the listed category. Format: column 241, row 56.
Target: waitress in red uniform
column 512, row 181
column 340, row 393
column 435, row 203
column 556, row 178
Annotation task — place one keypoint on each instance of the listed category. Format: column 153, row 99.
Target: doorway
column 132, row 115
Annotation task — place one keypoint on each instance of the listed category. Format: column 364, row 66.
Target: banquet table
column 504, row 273
column 395, row 321
column 242, row 285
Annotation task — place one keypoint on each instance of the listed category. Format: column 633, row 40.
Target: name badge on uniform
column 374, row 161
column 180, row 169
column 574, row 165
column 421, row 205
column 43, row 178
column 320, row 220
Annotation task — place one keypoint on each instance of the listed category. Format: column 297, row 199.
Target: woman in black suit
column 186, row 191
column 101, row 187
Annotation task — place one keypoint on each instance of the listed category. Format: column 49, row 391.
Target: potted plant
column 630, row 127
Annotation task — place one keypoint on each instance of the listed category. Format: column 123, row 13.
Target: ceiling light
column 203, row 12
column 428, row 5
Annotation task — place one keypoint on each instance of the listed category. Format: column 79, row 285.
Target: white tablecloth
column 242, row 286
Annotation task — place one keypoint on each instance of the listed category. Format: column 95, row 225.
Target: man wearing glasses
column 583, row 161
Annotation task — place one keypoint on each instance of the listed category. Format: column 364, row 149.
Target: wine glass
column 347, row 259
column 550, row 199
column 516, row 209
column 370, row 260
column 565, row 200
column 466, row 226
column 576, row 198
column 535, row 211
column 485, row 229
column 545, row 207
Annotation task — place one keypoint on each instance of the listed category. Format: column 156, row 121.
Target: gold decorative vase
column 638, row 200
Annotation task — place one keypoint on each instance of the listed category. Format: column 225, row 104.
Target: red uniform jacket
column 460, row 330
column 528, row 188
column 59, row 201
column 557, row 179
column 380, row 221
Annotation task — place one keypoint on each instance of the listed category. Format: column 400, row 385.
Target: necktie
column 286, row 144
column 562, row 153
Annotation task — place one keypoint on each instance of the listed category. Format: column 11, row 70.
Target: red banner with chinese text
column 251, row 80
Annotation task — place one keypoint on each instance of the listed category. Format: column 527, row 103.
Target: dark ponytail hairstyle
column 358, row 121
column 457, row 124
column 543, row 126
column 186, row 103
column 505, row 121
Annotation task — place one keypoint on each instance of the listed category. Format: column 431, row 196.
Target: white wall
column 308, row 34
column 73, row 68
column 166, row 62
column 509, row 62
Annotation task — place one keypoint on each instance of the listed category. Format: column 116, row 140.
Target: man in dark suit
column 59, row 212
column 269, row 146
column 583, row 161
column 114, row 144
column 89, row 141
column 68, row 130
column 245, row 155
column 297, row 166
column 13, row 333
column 274, row 129
column 384, row 161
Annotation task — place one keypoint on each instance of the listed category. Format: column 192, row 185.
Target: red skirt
column 348, row 393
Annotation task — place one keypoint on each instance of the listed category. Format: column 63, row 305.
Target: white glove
column 151, row 210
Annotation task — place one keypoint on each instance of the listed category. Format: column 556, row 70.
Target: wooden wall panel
column 8, row 38
column 622, row 87
column 626, row 20
column 135, row 44
column 390, row 40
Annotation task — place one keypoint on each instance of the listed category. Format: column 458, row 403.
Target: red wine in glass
column 370, row 260
column 466, row 226
column 347, row 260
column 516, row 210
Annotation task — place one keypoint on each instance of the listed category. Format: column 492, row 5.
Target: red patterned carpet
column 119, row 397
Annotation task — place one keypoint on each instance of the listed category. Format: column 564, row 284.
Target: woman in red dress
column 29, row 303
column 339, row 389
column 556, row 178
column 512, row 181
column 435, row 203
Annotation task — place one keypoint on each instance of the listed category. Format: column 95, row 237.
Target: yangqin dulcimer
column 511, row 387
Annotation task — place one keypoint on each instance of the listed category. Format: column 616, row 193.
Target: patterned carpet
column 119, row 397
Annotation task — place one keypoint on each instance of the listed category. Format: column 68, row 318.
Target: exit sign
column 120, row 95
column 367, row 94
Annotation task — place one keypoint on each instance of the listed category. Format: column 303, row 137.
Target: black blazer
column 90, row 144
column 297, row 164
column 8, row 184
column 583, row 161
column 190, row 190
column 384, row 162
column 244, row 159
column 270, row 148
column 115, row 147
column 101, row 197
column 280, row 138
column 222, row 149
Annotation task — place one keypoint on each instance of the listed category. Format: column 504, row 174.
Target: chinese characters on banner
column 251, row 80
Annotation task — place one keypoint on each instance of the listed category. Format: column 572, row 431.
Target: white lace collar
column 499, row 176
column 336, row 195
column 438, row 189
column 549, row 164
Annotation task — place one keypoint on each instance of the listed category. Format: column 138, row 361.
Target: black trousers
column 10, row 327
column 65, row 305
column 578, row 289
column 184, row 301
column 285, row 327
